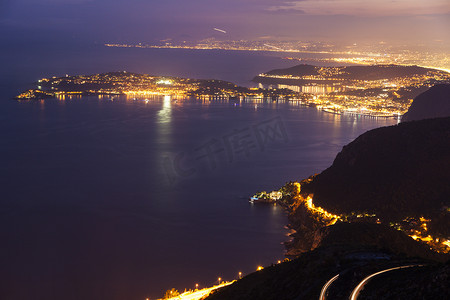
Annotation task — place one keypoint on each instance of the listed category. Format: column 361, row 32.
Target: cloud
column 285, row 11
column 54, row 2
column 369, row 8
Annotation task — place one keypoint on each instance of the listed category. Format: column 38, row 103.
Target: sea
column 121, row 198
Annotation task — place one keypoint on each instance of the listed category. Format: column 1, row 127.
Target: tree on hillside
column 171, row 293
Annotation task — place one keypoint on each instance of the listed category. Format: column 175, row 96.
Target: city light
column 375, row 98
column 362, row 55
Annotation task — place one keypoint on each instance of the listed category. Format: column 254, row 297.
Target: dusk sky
column 146, row 21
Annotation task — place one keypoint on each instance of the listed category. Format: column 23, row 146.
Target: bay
column 119, row 199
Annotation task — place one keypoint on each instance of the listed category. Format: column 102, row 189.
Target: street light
column 240, row 275
column 196, row 286
column 219, row 279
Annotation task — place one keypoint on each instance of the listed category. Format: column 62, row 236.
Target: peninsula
column 141, row 85
column 376, row 91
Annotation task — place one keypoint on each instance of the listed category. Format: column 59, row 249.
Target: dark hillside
column 395, row 172
column 299, row 70
column 351, row 250
column 433, row 103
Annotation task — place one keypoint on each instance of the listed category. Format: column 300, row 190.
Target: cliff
column 433, row 103
column 394, row 172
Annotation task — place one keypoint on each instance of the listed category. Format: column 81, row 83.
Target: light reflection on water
column 165, row 114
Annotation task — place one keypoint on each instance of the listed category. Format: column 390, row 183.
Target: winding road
column 325, row 287
column 360, row 286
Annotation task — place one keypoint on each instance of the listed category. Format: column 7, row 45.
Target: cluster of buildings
column 331, row 89
column 236, row 45
column 143, row 85
column 334, row 90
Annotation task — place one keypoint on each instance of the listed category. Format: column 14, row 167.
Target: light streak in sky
column 219, row 30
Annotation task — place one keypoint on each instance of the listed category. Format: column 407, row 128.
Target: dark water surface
column 119, row 199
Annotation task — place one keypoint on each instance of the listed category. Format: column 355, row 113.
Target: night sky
column 424, row 21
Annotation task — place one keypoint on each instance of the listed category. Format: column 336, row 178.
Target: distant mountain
column 433, row 103
column 375, row 72
column 299, row 70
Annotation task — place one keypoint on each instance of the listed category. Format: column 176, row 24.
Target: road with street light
column 198, row 294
